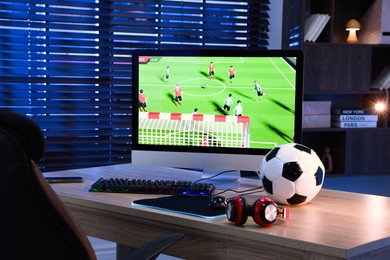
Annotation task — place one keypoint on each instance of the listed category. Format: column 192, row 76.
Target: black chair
column 35, row 224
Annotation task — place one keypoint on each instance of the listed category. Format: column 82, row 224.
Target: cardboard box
column 314, row 121
column 316, row 107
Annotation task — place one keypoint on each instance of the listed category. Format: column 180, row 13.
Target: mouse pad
column 184, row 204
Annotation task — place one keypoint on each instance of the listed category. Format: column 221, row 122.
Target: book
column 343, row 124
column 382, row 81
column 349, row 111
column 314, row 25
column 320, row 27
column 310, row 23
column 354, row 118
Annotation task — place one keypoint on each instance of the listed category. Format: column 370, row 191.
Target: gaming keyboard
column 172, row 187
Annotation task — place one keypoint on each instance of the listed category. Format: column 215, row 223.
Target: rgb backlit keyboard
column 146, row 186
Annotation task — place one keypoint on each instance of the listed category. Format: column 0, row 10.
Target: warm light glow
column 352, row 36
column 352, row 26
column 380, row 107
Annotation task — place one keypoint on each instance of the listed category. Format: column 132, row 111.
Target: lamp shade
column 352, row 24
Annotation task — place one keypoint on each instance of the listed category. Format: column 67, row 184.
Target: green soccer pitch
column 271, row 117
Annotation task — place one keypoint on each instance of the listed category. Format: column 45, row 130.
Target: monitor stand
column 222, row 179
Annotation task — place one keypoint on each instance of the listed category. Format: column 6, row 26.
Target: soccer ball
column 292, row 174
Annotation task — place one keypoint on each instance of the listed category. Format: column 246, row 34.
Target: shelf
column 332, row 139
column 338, row 67
column 345, row 93
column 343, row 74
column 337, row 129
column 341, row 11
column 354, row 150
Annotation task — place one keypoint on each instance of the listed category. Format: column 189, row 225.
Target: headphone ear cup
column 236, row 211
column 265, row 212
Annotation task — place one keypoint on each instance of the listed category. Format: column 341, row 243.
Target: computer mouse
column 217, row 202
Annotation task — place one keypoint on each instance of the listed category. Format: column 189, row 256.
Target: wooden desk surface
column 333, row 225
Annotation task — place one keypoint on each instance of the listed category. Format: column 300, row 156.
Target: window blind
column 67, row 64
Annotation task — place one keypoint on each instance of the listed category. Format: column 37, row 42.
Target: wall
column 276, row 22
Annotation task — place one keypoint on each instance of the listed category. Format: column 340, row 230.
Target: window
column 67, row 64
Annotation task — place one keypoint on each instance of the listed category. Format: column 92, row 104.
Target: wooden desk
column 333, row 225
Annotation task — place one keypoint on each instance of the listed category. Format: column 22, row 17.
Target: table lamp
column 352, row 27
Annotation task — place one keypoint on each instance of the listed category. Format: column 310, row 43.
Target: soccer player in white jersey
column 227, row 103
column 238, row 110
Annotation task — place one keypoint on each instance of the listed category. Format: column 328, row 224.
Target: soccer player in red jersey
column 211, row 70
column 142, row 101
column 178, row 98
column 204, row 141
column 231, row 73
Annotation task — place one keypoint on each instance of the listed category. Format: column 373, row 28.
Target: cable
column 213, row 176
column 243, row 192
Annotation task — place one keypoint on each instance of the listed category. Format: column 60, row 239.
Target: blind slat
column 67, row 64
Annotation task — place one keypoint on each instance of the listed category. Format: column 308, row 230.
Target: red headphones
column 264, row 211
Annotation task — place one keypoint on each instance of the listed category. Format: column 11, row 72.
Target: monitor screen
column 214, row 109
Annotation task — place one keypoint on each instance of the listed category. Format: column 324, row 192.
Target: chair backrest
column 34, row 222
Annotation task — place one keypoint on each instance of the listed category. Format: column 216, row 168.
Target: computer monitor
column 204, row 109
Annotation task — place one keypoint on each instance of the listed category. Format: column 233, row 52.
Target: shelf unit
column 343, row 73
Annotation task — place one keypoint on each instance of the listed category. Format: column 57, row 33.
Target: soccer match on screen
column 216, row 101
